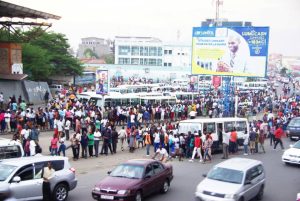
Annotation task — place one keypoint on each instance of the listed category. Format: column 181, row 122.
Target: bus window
column 228, row 126
column 209, row 127
column 241, row 126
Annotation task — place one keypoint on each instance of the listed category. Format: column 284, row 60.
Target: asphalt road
column 282, row 181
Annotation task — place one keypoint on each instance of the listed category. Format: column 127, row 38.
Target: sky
column 168, row 19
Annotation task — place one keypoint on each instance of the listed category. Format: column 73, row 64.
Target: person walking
column 147, row 142
column 54, row 145
column 252, row 139
column 47, row 174
column 197, row 147
column 114, row 139
column 233, row 142
column 225, row 144
column 84, row 144
column 207, row 147
column 97, row 137
column 122, row 136
column 278, row 135
column 67, row 128
column 246, row 143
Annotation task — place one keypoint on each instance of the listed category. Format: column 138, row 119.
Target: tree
column 44, row 53
column 109, row 59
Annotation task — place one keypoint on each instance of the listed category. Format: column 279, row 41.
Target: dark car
column 133, row 180
column 293, row 128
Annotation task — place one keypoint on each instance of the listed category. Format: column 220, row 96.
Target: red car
column 134, row 180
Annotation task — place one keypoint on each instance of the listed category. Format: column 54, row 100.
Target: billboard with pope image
column 230, row 51
column 102, row 82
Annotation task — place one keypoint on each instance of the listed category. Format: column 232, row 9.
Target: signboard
column 193, row 84
column 102, row 82
column 230, row 51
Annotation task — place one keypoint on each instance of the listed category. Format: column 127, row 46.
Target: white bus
column 160, row 100
column 133, row 88
column 213, row 125
column 114, row 99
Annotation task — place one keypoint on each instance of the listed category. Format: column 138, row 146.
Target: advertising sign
column 230, row 51
column 216, row 81
column 193, row 84
column 102, row 81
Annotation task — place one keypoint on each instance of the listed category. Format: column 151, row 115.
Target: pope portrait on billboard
column 102, row 82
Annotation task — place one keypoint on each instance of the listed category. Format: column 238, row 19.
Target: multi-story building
column 177, row 54
column 145, row 51
column 92, row 47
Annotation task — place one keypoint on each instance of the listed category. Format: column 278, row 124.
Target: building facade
column 177, row 54
column 92, row 47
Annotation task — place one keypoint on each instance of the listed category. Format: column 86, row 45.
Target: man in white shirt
column 1, row 100
column 67, row 128
column 7, row 116
column 48, row 174
column 193, row 114
column 164, row 156
column 225, row 142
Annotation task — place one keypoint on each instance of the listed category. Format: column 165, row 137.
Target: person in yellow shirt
column 147, row 142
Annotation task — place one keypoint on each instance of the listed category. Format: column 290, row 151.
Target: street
column 282, row 181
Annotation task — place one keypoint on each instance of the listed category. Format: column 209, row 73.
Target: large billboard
column 102, row 82
column 230, row 51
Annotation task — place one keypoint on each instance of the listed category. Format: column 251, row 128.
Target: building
column 145, row 51
column 177, row 54
column 92, row 47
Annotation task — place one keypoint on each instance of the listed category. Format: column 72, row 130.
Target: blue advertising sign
column 230, row 51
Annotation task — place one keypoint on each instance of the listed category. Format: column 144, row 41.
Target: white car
column 236, row 179
column 292, row 155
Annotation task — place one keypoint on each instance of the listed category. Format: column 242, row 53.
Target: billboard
column 230, row 51
column 102, row 82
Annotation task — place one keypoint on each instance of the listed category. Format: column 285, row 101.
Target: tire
column 166, row 186
column 138, row 196
column 260, row 193
column 60, row 192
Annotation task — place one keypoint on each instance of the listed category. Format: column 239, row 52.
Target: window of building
column 141, row 61
column 152, row 51
column 146, row 51
column 159, row 51
column 126, row 61
column 165, row 51
column 121, row 61
column 145, row 61
column 135, row 51
column 152, row 62
column 170, row 51
column 169, row 64
column 178, row 53
column 159, row 62
column 165, row 64
column 141, row 51
column 124, row 50
column 134, row 61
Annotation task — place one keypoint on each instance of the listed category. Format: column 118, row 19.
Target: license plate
column 108, row 197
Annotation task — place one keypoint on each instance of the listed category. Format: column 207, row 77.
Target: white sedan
column 292, row 155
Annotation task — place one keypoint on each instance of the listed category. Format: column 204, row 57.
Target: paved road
column 283, row 182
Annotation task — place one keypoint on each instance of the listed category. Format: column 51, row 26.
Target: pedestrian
column 62, row 146
column 47, row 174
column 67, row 128
column 278, row 135
column 225, row 144
column 197, row 147
column 262, row 140
column 7, row 116
column 32, row 147
column 246, row 143
column 91, row 142
column 97, row 137
column 252, row 139
column 84, row 145
column 1, row 100
column 122, row 137
column 233, row 142
column 75, row 143
column 207, row 147
column 147, row 143
column 114, row 139
column 54, row 145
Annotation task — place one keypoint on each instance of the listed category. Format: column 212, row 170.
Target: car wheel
column 60, row 192
column 165, row 187
column 260, row 194
column 138, row 196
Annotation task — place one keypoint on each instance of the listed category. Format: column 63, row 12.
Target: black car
column 293, row 128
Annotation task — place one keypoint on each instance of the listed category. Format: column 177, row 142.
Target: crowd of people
column 85, row 125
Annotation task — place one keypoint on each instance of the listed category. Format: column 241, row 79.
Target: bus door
column 220, row 129
column 241, row 130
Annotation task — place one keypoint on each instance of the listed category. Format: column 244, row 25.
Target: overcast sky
column 164, row 19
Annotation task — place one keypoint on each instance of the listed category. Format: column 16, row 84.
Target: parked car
column 292, row 155
column 24, row 176
column 236, row 179
column 133, row 180
column 10, row 149
column 293, row 128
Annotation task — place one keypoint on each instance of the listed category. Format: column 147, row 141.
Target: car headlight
column 231, row 196
column 123, row 192
column 96, row 189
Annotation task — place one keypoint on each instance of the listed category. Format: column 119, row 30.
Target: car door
column 27, row 188
column 38, row 176
column 254, row 176
column 148, row 180
column 159, row 175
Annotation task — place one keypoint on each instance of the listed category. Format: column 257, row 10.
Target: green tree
column 109, row 59
column 44, row 53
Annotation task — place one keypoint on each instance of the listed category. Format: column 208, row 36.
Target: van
column 236, row 179
column 10, row 149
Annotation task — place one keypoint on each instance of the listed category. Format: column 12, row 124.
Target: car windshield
column 128, row 171
column 5, row 171
column 297, row 145
column 226, row 175
column 294, row 122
